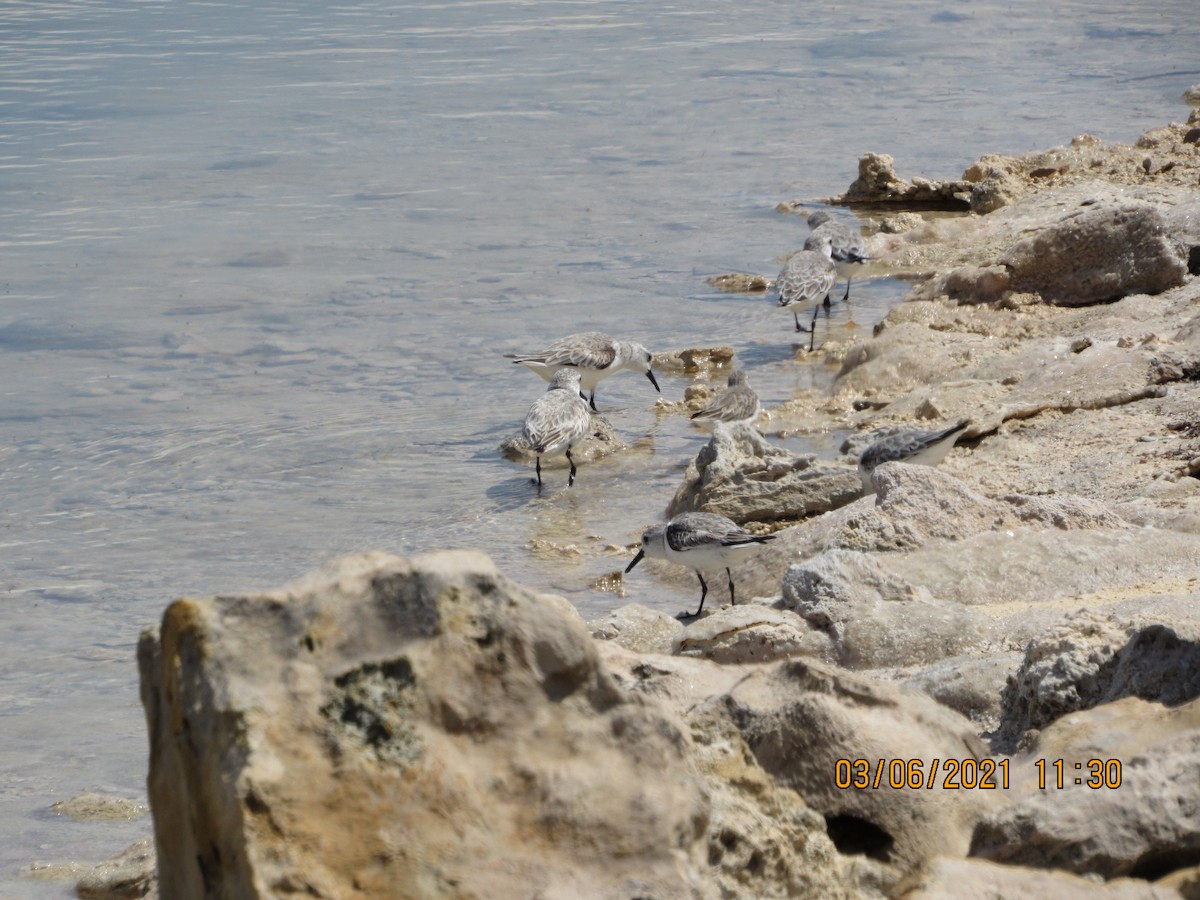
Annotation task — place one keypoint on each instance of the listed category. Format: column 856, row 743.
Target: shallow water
column 260, row 266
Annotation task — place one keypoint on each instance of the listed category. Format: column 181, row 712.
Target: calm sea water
column 259, row 263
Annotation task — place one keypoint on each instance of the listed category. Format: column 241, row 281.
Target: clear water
column 259, row 263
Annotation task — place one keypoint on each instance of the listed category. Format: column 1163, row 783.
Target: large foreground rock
column 423, row 728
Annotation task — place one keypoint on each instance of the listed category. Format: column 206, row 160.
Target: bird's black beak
column 637, row 559
column 650, row 375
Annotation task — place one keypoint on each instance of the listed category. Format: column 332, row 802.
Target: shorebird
column 737, row 404
column 808, row 277
column 702, row 541
column 557, row 420
column 846, row 245
column 595, row 355
column 926, row 448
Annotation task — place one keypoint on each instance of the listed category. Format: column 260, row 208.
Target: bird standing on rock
column 558, row 420
column 594, row 354
column 701, row 541
column 926, row 448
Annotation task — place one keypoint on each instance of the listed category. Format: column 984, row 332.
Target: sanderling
column 595, row 355
column 808, row 276
column 736, row 404
column 927, row 448
column 701, row 541
column 846, row 245
column 557, row 420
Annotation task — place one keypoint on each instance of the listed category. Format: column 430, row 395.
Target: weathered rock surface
column 1098, row 254
column 874, row 619
column 976, row 879
column 916, row 507
column 969, row 684
column 456, row 735
column 740, row 474
column 800, row 718
column 1091, row 658
column 750, row 633
column 129, row 875
column 93, row 807
column 1146, row 827
column 638, row 628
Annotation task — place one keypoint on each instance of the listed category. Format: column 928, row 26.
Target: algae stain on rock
column 370, row 713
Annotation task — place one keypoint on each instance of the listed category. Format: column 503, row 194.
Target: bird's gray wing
column 808, row 275
column 731, row 405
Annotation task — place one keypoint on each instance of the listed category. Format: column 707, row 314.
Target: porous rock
column 1128, row 803
column 639, row 628
column 800, row 718
column 874, row 618
column 969, row 684
column 129, row 875
column 740, row 474
column 1098, row 254
column 419, row 728
column 978, row 879
column 1091, row 658
column 750, row 632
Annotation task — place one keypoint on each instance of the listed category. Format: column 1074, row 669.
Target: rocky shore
column 979, row 681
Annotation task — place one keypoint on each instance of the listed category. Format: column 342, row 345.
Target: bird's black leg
column 846, row 296
column 732, row 601
column 571, row 477
column 812, row 341
column 825, row 303
column 703, row 594
column 592, row 402
column 539, row 471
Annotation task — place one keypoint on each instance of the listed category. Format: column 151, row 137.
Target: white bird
column 737, row 404
column 926, row 448
column 594, row 354
column 807, row 277
column 702, row 541
column 847, row 249
column 557, row 420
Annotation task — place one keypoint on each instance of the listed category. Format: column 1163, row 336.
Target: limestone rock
column 1098, row 254
column 127, row 876
column 872, row 617
column 1146, row 827
column 92, row 807
column 740, row 474
column 1089, row 659
column 639, row 628
column 418, row 728
column 799, row 718
column 969, row 684
column 764, row 841
column 747, row 633
column 710, row 361
column 977, row 879
column 878, row 182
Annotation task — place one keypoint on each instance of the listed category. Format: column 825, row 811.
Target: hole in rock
column 855, row 836
column 1157, row 863
column 1194, row 261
